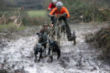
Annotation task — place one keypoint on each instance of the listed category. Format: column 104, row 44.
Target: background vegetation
column 101, row 40
column 88, row 10
column 34, row 12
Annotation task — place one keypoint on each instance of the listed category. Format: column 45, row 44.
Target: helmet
column 59, row 4
column 54, row 1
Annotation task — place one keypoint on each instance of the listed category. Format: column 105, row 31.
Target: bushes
column 24, row 17
column 10, row 28
column 106, row 13
column 102, row 40
column 20, row 17
column 89, row 10
column 12, row 15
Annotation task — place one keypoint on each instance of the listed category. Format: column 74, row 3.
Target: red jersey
column 51, row 6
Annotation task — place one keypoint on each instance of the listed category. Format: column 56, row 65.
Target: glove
column 50, row 15
column 64, row 14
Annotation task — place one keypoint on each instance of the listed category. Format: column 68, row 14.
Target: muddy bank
column 101, row 39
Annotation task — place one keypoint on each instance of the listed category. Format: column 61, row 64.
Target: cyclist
column 63, row 14
column 52, row 5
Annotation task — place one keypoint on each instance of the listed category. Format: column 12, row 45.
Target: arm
column 67, row 12
column 50, row 7
column 52, row 12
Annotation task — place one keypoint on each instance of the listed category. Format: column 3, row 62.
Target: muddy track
column 18, row 54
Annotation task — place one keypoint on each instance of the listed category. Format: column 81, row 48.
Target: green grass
column 37, row 13
column 6, row 26
column 10, row 27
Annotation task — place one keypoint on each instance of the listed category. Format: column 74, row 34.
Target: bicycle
column 57, row 30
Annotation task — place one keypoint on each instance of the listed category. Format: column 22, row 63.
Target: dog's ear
column 38, row 34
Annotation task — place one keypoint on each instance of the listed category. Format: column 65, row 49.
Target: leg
column 50, row 54
column 53, row 19
column 45, row 50
column 58, row 53
column 57, row 49
column 51, row 57
column 49, row 51
column 40, row 57
column 67, row 28
column 44, row 45
column 35, row 53
column 41, row 54
column 74, row 38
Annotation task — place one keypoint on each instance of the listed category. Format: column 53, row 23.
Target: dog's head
column 38, row 34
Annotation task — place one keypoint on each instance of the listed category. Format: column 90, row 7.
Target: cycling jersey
column 63, row 10
column 51, row 6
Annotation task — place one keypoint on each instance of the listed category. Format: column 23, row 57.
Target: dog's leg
column 44, row 50
column 75, row 41
column 40, row 57
column 49, row 51
column 35, row 56
column 57, row 50
column 51, row 55
column 58, row 53
column 74, row 37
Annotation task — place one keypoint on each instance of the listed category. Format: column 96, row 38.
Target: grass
column 37, row 13
column 6, row 26
column 10, row 27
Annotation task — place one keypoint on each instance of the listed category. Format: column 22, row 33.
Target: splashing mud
column 82, row 58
